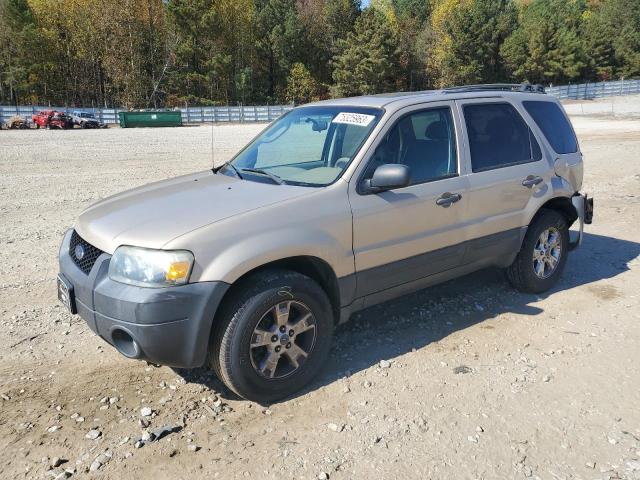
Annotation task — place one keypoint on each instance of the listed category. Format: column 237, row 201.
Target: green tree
column 19, row 52
column 612, row 35
column 369, row 59
column 301, row 86
column 547, row 46
column 466, row 40
column 341, row 16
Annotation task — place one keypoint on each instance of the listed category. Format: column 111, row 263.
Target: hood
column 152, row 215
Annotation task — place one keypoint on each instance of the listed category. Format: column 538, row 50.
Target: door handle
column 532, row 180
column 446, row 199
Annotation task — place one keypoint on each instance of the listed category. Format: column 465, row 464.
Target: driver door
column 409, row 233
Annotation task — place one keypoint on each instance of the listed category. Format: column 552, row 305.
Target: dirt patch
column 605, row 292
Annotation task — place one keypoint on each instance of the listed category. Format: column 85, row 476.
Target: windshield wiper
column 235, row 170
column 276, row 179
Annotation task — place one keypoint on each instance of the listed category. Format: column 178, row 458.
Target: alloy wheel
column 283, row 339
column 547, row 252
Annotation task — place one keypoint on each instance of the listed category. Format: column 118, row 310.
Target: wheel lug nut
column 274, row 338
column 291, row 333
column 278, row 349
column 282, row 329
column 289, row 345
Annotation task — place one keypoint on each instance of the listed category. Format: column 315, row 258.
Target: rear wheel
column 273, row 335
column 543, row 255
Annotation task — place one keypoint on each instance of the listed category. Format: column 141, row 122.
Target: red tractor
column 52, row 119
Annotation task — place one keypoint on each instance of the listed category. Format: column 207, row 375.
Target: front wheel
column 273, row 335
column 543, row 255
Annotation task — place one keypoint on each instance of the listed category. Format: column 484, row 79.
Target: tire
column 253, row 305
column 522, row 272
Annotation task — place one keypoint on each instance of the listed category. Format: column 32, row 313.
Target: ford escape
column 334, row 207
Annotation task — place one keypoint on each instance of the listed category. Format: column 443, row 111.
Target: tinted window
column 498, row 136
column 554, row 125
column 424, row 141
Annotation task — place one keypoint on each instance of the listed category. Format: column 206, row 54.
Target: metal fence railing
column 589, row 91
column 267, row 113
column 239, row 114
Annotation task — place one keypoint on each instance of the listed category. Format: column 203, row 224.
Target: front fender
column 237, row 259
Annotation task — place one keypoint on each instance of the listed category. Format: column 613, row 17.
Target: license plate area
column 66, row 294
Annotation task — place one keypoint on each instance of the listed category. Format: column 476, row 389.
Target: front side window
column 498, row 136
column 554, row 125
column 424, row 141
column 310, row 146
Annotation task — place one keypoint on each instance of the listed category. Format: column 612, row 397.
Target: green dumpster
column 150, row 119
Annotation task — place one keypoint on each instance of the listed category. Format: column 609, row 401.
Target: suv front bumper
column 169, row 326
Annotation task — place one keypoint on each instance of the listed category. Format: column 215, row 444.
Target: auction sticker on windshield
column 360, row 119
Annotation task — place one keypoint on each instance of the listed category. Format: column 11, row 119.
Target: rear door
column 409, row 233
column 554, row 124
column 509, row 175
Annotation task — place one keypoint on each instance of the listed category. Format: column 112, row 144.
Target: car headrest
column 437, row 131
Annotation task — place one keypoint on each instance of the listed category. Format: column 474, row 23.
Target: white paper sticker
column 360, row 119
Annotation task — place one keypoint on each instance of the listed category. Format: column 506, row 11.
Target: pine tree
column 301, row 86
column 466, row 41
column 547, row 46
column 368, row 62
column 612, row 31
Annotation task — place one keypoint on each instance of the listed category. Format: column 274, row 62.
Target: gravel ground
column 467, row 380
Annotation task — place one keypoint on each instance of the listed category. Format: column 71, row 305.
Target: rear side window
column 554, row 125
column 498, row 136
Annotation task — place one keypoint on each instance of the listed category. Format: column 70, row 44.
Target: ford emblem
column 79, row 252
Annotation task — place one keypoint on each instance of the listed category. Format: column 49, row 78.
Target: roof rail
column 508, row 87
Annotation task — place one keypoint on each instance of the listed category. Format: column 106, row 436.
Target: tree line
column 165, row 53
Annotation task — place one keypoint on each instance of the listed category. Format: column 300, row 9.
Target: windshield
column 309, row 146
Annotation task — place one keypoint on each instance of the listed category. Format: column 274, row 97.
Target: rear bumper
column 169, row 326
column 584, row 208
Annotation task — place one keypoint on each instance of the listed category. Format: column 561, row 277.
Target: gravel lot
column 467, row 380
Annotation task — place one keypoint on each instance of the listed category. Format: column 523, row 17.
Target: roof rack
column 506, row 87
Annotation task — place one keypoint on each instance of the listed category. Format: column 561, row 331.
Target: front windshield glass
column 308, row 146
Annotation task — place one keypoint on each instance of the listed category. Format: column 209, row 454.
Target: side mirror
column 388, row 177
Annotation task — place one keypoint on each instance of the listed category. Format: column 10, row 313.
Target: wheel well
column 562, row 205
column 313, row 267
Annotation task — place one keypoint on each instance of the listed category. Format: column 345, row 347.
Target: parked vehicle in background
column 85, row 120
column 52, row 119
column 335, row 207
column 17, row 123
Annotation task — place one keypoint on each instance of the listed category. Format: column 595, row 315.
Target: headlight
column 150, row 268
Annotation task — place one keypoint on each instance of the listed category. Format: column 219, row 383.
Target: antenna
column 213, row 150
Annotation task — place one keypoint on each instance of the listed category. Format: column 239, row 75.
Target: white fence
column 589, row 91
column 238, row 114
column 267, row 113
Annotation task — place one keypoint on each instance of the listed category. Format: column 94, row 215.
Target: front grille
column 89, row 257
